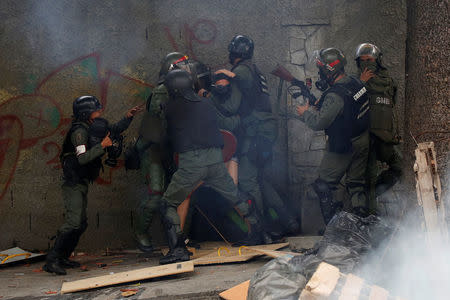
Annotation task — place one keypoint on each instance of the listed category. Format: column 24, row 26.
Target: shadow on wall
column 46, row 112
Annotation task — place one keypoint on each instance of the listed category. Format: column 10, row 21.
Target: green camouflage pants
column 155, row 178
column 186, row 179
column 335, row 165
column 75, row 204
column 387, row 153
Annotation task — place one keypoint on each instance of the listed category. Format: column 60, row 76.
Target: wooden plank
column 322, row 283
column 429, row 191
column 238, row 292
column 123, row 277
column 352, row 288
column 378, row 293
column 230, row 255
column 273, row 253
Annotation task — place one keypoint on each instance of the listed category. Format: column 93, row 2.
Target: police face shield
column 322, row 84
column 367, row 49
column 368, row 56
column 201, row 75
column 203, row 81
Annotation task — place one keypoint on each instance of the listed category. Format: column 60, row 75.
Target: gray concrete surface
column 205, row 281
column 27, row 281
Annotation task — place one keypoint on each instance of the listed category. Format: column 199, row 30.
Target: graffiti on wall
column 39, row 119
column 45, row 113
column 202, row 32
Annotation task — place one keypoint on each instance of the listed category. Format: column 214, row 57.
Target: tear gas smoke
column 410, row 264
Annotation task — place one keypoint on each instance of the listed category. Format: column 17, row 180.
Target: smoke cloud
column 412, row 263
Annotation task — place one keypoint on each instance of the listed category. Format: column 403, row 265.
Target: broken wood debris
column 16, row 254
column 238, row 292
column 235, row 254
column 123, row 277
column 428, row 186
column 324, row 284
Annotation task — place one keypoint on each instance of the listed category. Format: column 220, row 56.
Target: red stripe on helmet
column 334, row 63
column 180, row 59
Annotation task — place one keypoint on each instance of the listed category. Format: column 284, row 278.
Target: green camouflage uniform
column 383, row 136
column 75, row 193
column 335, row 165
column 153, row 154
column 256, row 123
column 228, row 119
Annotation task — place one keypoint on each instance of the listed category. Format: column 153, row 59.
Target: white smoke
column 411, row 264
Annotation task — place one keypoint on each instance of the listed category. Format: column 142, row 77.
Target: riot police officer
column 258, row 127
column 226, row 97
column 81, row 160
column 155, row 153
column 192, row 130
column 383, row 129
column 343, row 112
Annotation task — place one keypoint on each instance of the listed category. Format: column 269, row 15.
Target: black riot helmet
column 84, row 106
column 370, row 50
column 201, row 75
column 241, row 46
column 170, row 62
column 179, row 83
column 331, row 63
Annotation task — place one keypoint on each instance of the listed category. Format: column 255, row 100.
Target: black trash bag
column 277, row 280
column 346, row 240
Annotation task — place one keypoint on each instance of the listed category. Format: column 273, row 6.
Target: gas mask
column 323, row 83
column 221, row 91
column 370, row 65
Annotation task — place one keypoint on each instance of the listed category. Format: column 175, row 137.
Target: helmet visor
column 367, row 49
column 316, row 59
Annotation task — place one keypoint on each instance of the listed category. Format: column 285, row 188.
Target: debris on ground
column 129, row 276
column 17, row 254
column 346, row 239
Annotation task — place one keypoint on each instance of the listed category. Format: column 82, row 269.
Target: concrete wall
column 428, row 79
column 427, row 89
column 54, row 51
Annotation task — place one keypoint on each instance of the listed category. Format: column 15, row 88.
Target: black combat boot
column 177, row 248
column 325, row 200
column 143, row 243
column 256, row 234
column 73, row 237
column 55, row 255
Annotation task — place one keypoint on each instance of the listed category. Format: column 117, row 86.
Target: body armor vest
column 258, row 97
column 354, row 119
column 192, row 125
column 382, row 113
column 75, row 173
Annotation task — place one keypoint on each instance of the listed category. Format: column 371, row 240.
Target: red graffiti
column 209, row 30
column 56, row 153
column 11, row 131
column 46, row 114
column 203, row 32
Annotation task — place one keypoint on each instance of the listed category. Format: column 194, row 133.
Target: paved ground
column 206, row 282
